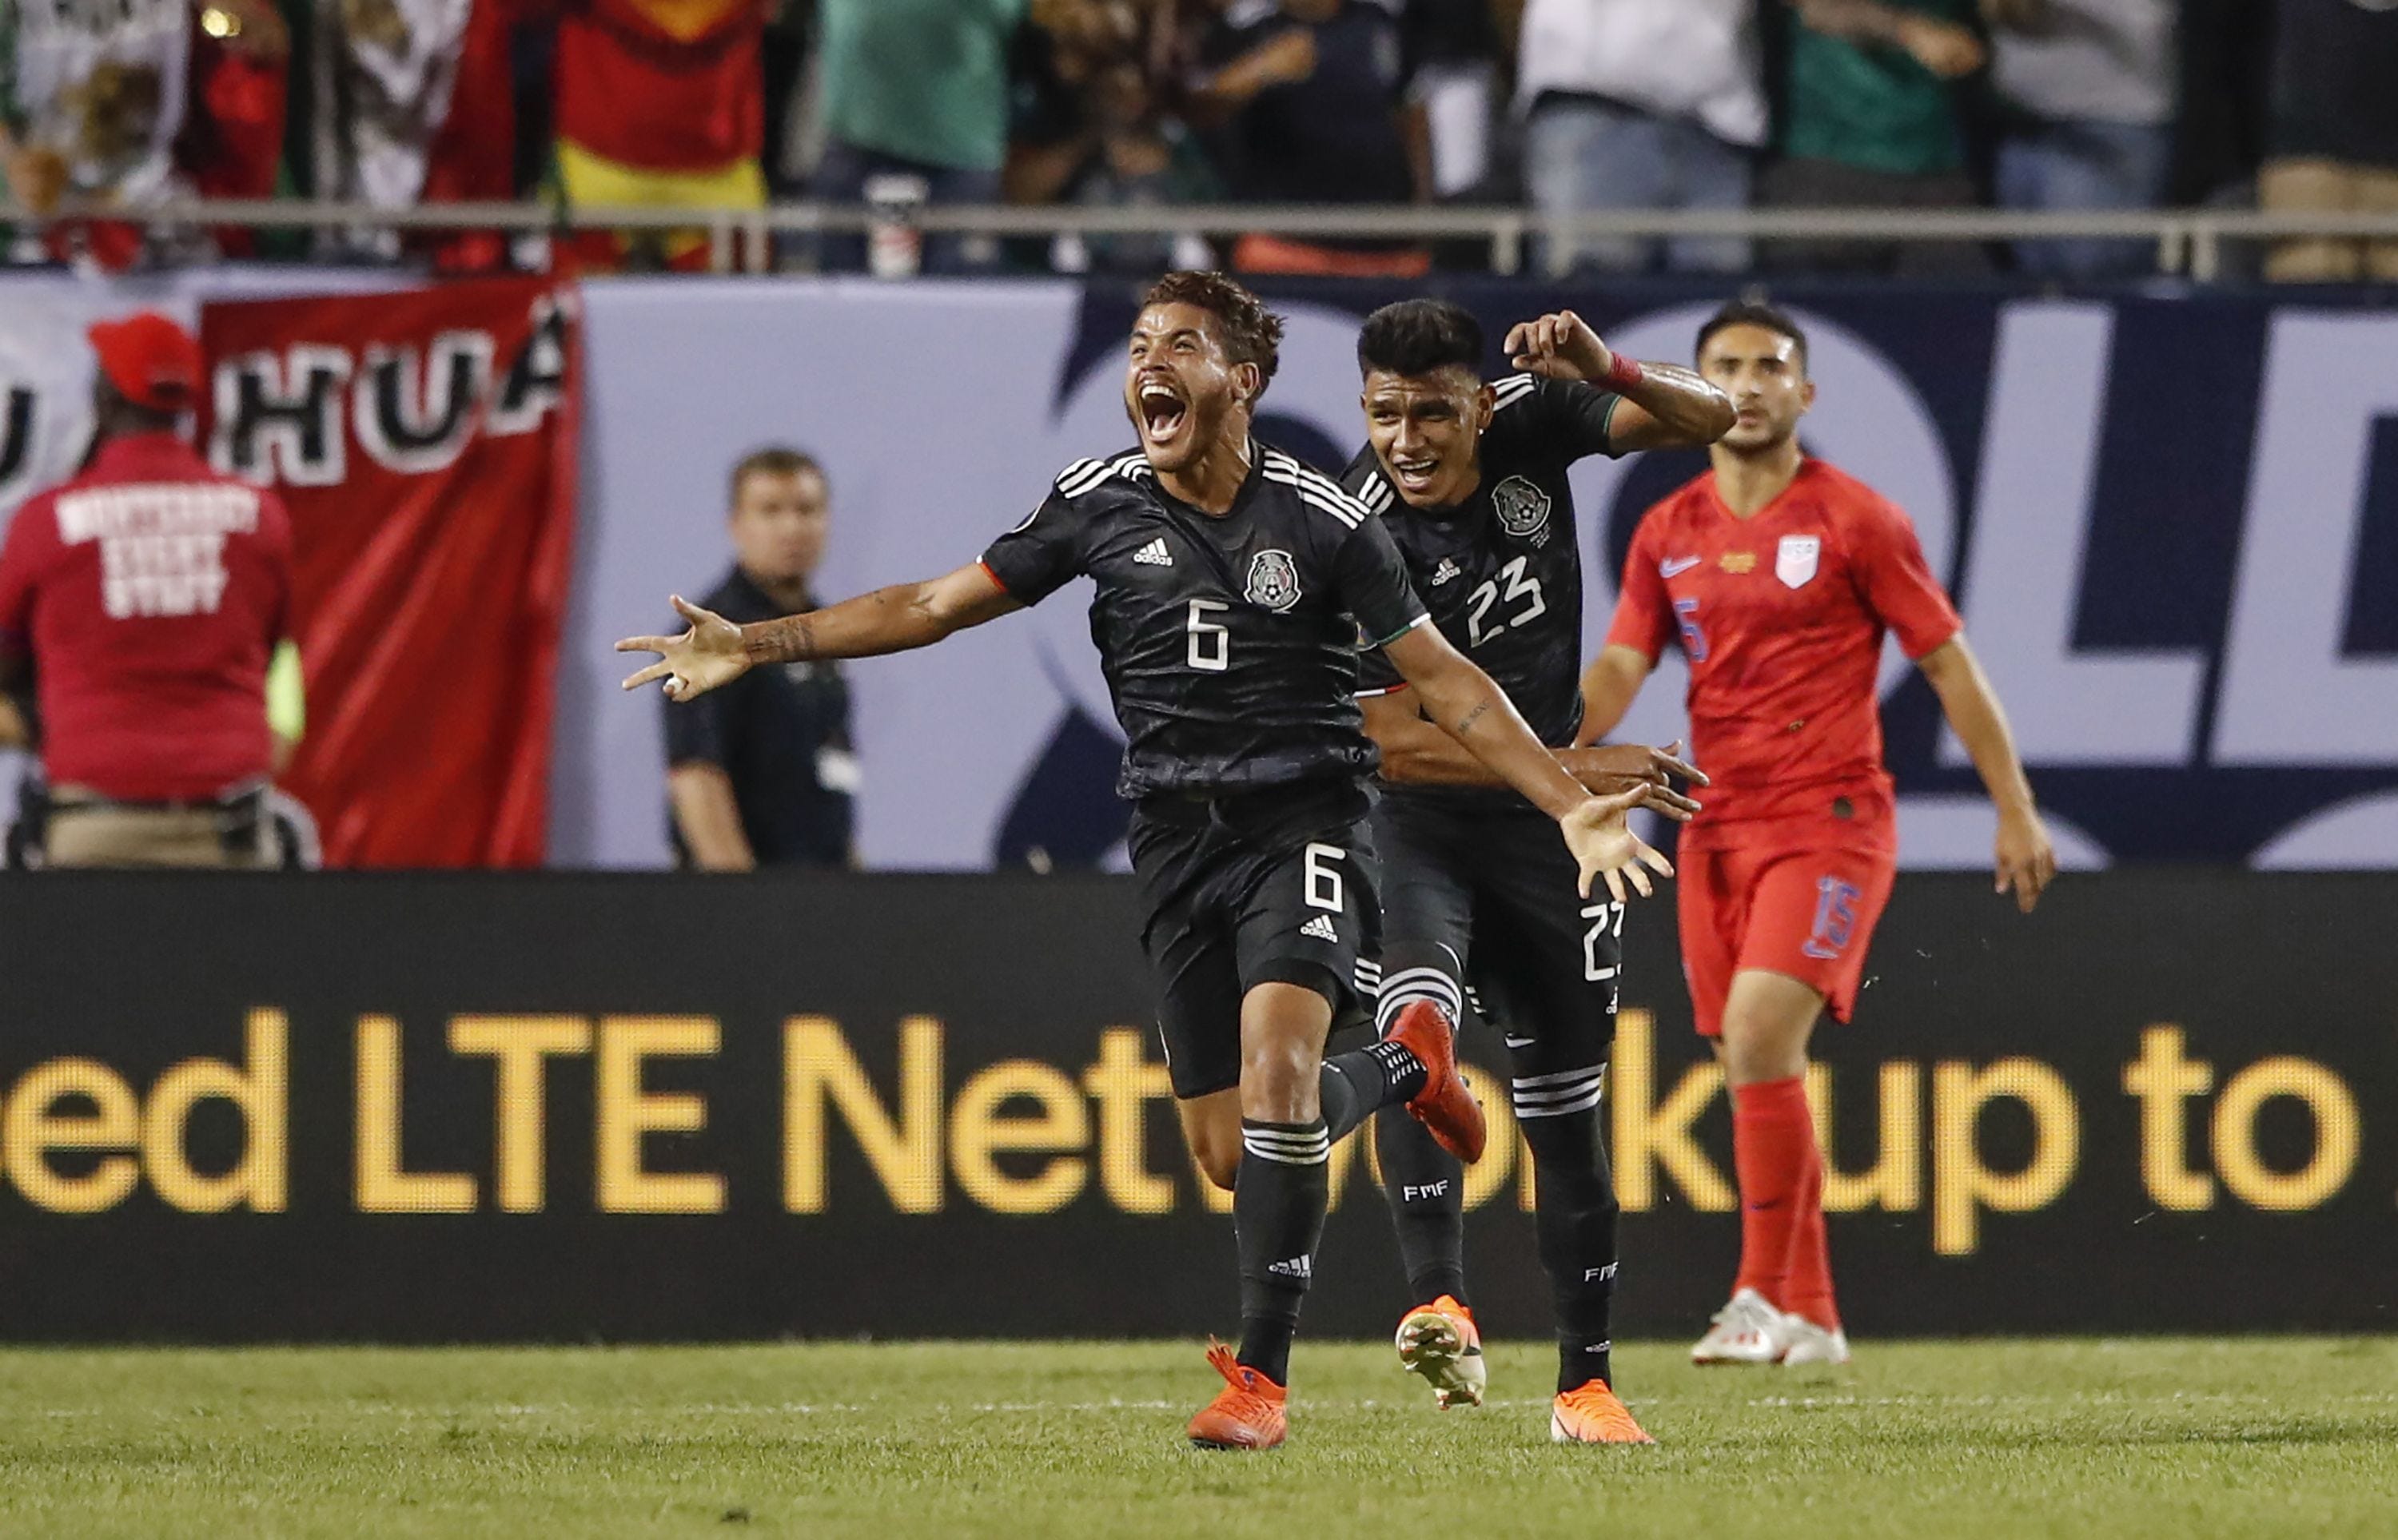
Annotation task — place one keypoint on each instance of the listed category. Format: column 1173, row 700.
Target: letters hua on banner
column 424, row 445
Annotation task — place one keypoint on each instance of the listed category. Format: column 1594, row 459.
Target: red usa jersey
column 1782, row 617
column 150, row 592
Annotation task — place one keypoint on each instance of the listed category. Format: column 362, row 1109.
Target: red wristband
column 1625, row 373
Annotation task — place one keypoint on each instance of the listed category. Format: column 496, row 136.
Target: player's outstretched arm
column 1466, row 703
column 1415, row 753
column 1664, row 406
column 714, row 652
column 2027, row 861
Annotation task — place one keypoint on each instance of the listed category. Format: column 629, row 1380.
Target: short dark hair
column 1251, row 333
column 1419, row 336
column 773, row 460
column 1753, row 312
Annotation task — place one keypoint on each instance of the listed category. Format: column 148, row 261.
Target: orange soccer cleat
column 1589, row 1414
column 1440, row 1342
column 1247, row 1414
column 1444, row 1106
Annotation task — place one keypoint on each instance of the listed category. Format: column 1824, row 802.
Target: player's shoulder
column 1681, row 503
column 1514, row 393
column 1113, row 475
column 1846, row 498
column 1364, row 480
column 1311, row 490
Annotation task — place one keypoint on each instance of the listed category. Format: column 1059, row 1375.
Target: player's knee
column 1279, row 1080
column 1760, row 1045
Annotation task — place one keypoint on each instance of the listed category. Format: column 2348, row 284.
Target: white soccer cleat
column 1440, row 1342
column 1747, row 1331
column 1809, row 1343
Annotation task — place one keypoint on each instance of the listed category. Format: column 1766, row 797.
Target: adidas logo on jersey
column 1446, row 570
column 1298, row 1267
column 1321, row 928
column 1154, row 553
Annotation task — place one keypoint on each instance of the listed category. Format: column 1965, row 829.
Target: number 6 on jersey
column 1211, row 645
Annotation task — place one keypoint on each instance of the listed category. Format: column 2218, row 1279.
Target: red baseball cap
column 152, row 361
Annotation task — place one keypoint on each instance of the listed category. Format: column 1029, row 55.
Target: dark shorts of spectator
column 1800, row 182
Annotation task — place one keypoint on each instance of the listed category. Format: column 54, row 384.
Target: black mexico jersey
column 1501, row 573
column 1229, row 643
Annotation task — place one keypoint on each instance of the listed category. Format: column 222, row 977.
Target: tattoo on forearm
column 790, row 640
column 1465, row 723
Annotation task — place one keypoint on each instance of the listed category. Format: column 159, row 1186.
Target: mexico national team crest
column 1523, row 509
column 1274, row 579
column 1795, row 562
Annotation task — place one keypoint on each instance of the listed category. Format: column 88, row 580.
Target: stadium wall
column 559, row 1107
column 2171, row 516
column 2171, row 519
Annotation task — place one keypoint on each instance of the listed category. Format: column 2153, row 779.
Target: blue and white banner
column 2172, row 524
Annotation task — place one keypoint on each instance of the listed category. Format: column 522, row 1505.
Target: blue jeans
column 842, row 176
column 2086, row 167
column 1581, row 154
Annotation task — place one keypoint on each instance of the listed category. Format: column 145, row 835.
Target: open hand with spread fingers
column 706, row 657
column 1604, row 846
column 1559, row 345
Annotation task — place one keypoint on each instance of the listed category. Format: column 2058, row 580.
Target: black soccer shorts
column 1277, row 886
column 1480, row 887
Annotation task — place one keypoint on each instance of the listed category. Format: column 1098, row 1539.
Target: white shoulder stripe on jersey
column 1083, row 476
column 1332, row 489
column 1132, row 467
column 1316, row 488
column 1515, row 388
column 1338, row 506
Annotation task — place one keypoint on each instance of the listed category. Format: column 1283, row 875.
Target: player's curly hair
column 1251, row 333
column 1419, row 336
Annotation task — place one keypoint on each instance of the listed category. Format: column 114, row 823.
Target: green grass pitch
column 2255, row 1437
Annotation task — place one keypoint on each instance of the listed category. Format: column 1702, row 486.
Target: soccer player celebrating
column 1232, row 581
column 1470, row 479
column 1780, row 576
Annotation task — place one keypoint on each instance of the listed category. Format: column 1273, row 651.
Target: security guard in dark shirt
column 762, row 773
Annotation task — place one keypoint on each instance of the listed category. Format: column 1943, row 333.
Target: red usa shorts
column 1807, row 912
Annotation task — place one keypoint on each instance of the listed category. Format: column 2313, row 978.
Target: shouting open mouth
column 1163, row 412
column 1415, row 473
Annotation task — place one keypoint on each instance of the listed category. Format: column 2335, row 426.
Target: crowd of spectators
column 1563, row 105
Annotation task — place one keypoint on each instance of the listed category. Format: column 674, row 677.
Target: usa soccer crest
column 1274, row 579
column 1523, row 509
column 1795, row 562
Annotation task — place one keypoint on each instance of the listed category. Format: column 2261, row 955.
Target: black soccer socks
column 1425, row 1186
column 1575, row 1214
column 1278, row 1199
column 1353, row 1085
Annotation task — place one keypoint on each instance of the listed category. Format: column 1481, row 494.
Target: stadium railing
column 2190, row 242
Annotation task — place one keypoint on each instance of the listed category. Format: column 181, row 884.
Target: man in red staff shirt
column 1779, row 575
column 147, row 594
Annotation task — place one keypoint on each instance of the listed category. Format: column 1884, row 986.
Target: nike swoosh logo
column 1677, row 567
column 1520, row 1042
